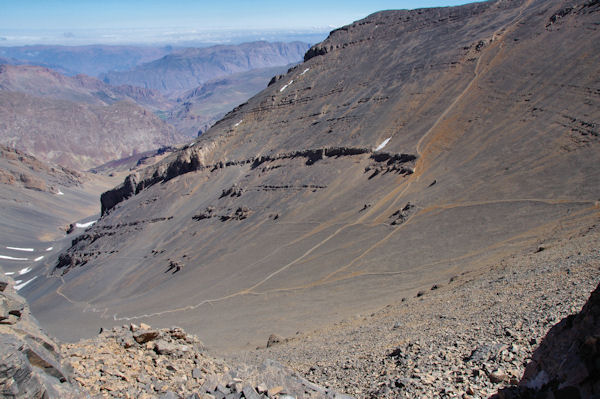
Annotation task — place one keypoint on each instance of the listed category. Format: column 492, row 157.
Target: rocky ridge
column 141, row 362
column 30, row 362
column 19, row 168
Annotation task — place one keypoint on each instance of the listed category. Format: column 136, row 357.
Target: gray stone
column 250, row 393
column 222, row 389
column 169, row 395
column 166, row 348
column 197, row 373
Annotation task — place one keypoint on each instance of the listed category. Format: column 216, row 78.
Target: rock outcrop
column 567, row 362
column 30, row 363
column 137, row 361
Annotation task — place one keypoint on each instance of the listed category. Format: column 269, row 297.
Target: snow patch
column 286, row 86
column 38, row 258
column 380, row 146
column 306, row 70
column 84, row 225
column 49, row 248
column 9, row 273
column 60, row 193
column 20, row 249
column 18, row 281
column 11, row 258
column 24, row 270
column 237, row 124
column 19, row 286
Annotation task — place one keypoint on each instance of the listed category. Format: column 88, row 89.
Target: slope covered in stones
column 409, row 147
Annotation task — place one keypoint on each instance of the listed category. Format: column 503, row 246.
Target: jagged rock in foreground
column 567, row 362
column 30, row 364
column 140, row 362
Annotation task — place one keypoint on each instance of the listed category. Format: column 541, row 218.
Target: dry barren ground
column 467, row 337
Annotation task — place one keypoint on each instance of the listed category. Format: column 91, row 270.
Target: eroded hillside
column 408, row 147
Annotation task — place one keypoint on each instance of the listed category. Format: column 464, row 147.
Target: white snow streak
column 60, row 193
column 84, row 225
column 19, row 286
column 380, row 146
column 38, row 258
column 11, row 258
column 9, row 273
column 20, row 249
column 286, row 86
column 306, row 70
column 24, row 270
column 237, row 124
column 49, row 248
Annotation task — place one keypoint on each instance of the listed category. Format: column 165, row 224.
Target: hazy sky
column 72, row 16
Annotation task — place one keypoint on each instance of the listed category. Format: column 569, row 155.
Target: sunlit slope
column 409, row 146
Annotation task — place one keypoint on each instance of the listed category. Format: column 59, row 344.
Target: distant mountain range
column 91, row 60
column 188, row 68
column 47, row 83
column 80, row 135
column 204, row 84
column 198, row 109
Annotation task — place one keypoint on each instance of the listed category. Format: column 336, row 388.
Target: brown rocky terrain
column 471, row 336
column 409, row 147
column 405, row 214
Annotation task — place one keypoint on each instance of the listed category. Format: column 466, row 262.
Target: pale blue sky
column 71, row 17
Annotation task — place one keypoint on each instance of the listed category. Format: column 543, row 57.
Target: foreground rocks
column 30, row 365
column 141, row 362
column 468, row 337
column 483, row 333
column 567, row 362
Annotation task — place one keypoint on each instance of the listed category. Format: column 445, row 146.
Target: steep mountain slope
column 190, row 67
column 91, row 60
column 408, row 147
column 200, row 108
column 43, row 82
column 38, row 202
